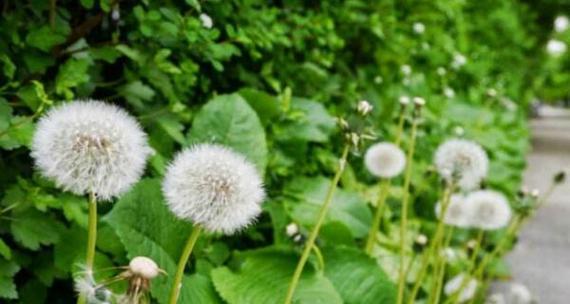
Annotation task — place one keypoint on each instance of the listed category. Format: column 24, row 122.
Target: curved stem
column 319, row 256
column 177, row 284
column 384, row 189
column 400, row 129
column 404, row 217
column 315, row 232
column 440, row 273
column 432, row 247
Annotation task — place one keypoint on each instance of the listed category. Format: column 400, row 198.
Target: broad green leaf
column 230, row 121
column 18, row 134
column 308, row 195
column 5, row 115
column 44, row 38
column 310, row 121
column 136, row 92
column 8, row 288
column 32, row 229
column 266, row 106
column 8, row 66
column 173, row 128
column 357, row 277
column 5, row 250
column 264, row 276
column 71, row 74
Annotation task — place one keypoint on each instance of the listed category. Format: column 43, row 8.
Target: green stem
column 315, row 232
column 177, row 285
column 471, row 269
column 404, row 215
column 400, row 129
column 441, row 267
column 319, row 256
column 91, row 238
column 432, row 247
column 383, row 194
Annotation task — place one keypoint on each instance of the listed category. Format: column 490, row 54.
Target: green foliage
column 268, row 80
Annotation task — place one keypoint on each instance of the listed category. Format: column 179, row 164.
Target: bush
column 268, row 80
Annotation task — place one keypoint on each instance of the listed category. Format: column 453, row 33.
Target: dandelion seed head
column 556, row 47
column 214, row 187
column 489, row 209
column 462, row 161
column 457, row 213
column 89, row 146
column 455, row 283
column 448, row 92
column 385, row 160
column 419, row 28
column 459, row 60
column 144, row 267
column 404, row 100
column 561, row 23
column 519, row 294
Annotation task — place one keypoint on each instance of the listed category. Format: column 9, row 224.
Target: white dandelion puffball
column 214, row 187
column 364, row 107
column 419, row 28
column 519, row 294
column 448, row 92
column 556, row 47
column 206, row 21
column 144, row 267
column 561, row 23
column 489, row 209
column 90, row 146
column 457, row 213
column 385, row 160
column 462, row 161
column 404, row 100
column 455, row 283
column 459, row 60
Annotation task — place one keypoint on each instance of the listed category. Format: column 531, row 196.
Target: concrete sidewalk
column 541, row 260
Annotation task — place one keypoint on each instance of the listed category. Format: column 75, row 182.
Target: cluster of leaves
column 268, row 80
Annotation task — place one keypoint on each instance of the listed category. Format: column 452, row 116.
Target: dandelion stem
column 432, row 249
column 177, row 284
column 404, row 215
column 440, row 273
column 384, row 189
column 400, row 129
column 315, row 232
column 91, row 238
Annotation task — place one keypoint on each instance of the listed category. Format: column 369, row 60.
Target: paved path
column 541, row 260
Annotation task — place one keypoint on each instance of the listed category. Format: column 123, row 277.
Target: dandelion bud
column 471, row 244
column 343, row 124
column 459, row 60
column 353, row 138
column 459, row 131
column 404, row 100
column 441, row 71
column 214, row 187
column 421, row 240
column 385, row 160
column 364, row 107
column 448, row 92
column 292, row 229
column 419, row 102
column 90, row 146
column 491, row 92
column 535, row 193
column 144, row 267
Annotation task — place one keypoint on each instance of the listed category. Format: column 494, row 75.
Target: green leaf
column 9, row 68
column 173, row 128
column 71, row 74
column 32, row 229
column 264, row 276
column 358, row 278
column 308, row 195
column 8, row 288
column 136, row 92
column 5, row 115
column 87, row 3
column 34, row 95
column 266, row 106
column 229, row 120
column 19, row 134
column 44, row 38
column 310, row 122
column 5, row 250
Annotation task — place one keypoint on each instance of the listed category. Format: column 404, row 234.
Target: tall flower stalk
column 177, row 283
column 419, row 103
column 316, row 228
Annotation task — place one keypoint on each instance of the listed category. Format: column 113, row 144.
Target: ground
column 541, row 260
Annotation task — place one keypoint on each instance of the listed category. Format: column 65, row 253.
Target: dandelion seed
column 489, row 209
column 453, row 285
column 90, row 146
column 462, row 161
column 556, row 47
column 457, row 213
column 419, row 28
column 92, row 292
column 214, row 187
column 561, row 23
column 206, row 21
column 385, row 160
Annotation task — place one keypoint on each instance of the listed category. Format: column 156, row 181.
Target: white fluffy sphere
column 144, row 267
column 453, row 285
column 385, row 160
column 462, row 161
column 90, row 146
column 214, row 187
column 489, row 209
column 457, row 213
